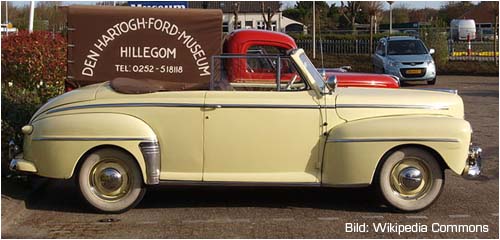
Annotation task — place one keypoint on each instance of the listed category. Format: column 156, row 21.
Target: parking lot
column 54, row 209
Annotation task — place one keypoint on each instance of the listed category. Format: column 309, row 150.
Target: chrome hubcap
column 410, row 178
column 109, row 180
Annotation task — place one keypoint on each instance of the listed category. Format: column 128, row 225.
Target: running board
column 238, row 184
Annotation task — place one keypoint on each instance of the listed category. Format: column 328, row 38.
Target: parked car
column 405, row 57
column 260, row 42
column 487, row 34
column 463, row 29
column 303, row 133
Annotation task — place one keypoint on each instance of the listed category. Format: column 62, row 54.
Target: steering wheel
column 289, row 85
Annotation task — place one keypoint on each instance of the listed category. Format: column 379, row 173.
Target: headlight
column 429, row 62
column 392, row 63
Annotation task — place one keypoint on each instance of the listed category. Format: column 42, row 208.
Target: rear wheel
column 110, row 181
column 410, row 179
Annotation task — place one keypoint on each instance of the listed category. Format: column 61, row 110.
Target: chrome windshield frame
column 314, row 78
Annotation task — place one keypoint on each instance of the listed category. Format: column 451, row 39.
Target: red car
column 261, row 42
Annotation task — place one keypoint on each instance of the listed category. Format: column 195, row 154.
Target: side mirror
column 323, row 73
column 432, row 51
column 346, row 68
column 332, row 82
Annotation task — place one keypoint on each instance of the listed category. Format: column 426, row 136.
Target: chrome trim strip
column 92, row 139
column 114, row 105
column 446, row 90
column 239, row 184
column 392, row 106
column 197, row 105
column 272, row 106
column 262, row 106
column 395, row 140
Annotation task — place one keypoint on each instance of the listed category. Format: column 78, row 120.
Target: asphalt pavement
column 466, row 208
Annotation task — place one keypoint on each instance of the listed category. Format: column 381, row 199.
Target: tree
column 270, row 14
column 302, row 12
column 373, row 8
column 454, row 9
column 350, row 10
column 333, row 16
column 49, row 17
column 400, row 14
column 236, row 11
column 423, row 15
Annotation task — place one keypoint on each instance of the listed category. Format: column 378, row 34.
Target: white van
column 460, row 28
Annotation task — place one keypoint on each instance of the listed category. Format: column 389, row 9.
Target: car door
column 378, row 57
column 262, row 135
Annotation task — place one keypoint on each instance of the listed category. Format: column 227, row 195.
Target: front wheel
column 110, row 181
column 431, row 82
column 410, row 179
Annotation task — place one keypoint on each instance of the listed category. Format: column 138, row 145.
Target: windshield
column 406, row 47
column 318, row 79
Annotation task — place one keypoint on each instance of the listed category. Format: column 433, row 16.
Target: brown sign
column 171, row 48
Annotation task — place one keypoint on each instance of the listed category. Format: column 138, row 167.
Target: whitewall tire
column 110, row 180
column 410, row 179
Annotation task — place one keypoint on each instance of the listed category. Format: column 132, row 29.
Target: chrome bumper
column 18, row 163
column 473, row 164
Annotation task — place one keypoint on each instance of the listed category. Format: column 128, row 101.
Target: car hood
column 410, row 58
column 359, row 103
column 87, row 93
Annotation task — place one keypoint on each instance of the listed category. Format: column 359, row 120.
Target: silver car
column 405, row 57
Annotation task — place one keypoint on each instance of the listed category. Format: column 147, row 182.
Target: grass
column 468, row 68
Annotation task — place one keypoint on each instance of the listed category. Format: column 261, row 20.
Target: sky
column 409, row 4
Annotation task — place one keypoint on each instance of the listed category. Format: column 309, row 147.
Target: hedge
column 33, row 71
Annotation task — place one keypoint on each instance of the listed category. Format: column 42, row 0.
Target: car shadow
column 19, row 187
column 63, row 196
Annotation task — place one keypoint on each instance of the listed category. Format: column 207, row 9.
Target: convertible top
column 142, row 49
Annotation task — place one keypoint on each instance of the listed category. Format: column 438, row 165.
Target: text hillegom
column 136, row 24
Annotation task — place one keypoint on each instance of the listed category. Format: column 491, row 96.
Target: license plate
column 414, row 71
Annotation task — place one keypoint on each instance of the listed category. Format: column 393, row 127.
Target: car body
column 261, row 42
column 307, row 133
column 405, row 57
column 354, row 79
column 463, row 29
column 487, row 34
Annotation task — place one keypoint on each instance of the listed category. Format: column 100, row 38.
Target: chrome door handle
column 213, row 106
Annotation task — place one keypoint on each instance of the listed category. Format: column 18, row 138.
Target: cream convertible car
column 304, row 132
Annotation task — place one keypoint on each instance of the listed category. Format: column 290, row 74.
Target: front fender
column 58, row 142
column 354, row 149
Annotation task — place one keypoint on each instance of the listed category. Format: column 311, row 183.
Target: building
column 250, row 15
